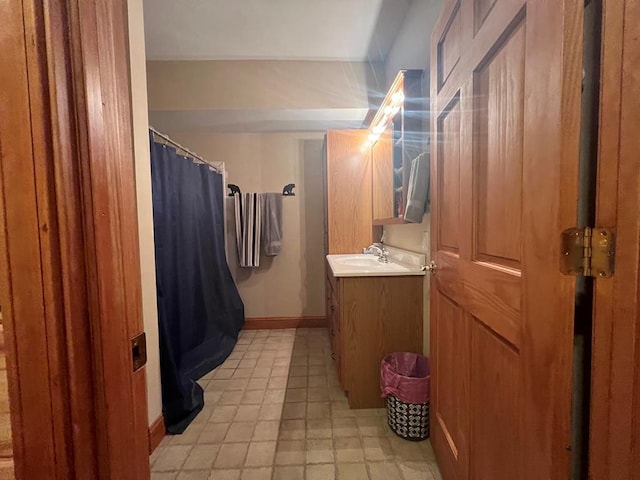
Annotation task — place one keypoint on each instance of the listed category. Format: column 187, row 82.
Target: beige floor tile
column 372, row 426
column 231, row 397
column 260, row 454
column 257, row 383
column 317, row 395
column 319, row 451
column 279, row 372
column 277, row 383
column 243, row 373
column 321, row 472
column 270, row 411
column 218, row 385
column 223, row 373
column 297, row 382
column 266, row 430
column 292, row 430
column 190, row 435
column 299, row 371
column 248, row 422
column 239, row 432
column 348, row 450
column 201, row 457
column 405, row 450
column 274, row 395
column 316, row 360
column 345, row 427
column 282, row 361
column 247, row 413
column 253, row 397
column 416, row 471
column 288, row 473
column 213, row 433
column 263, row 473
column 317, row 370
column 295, row 395
column 384, row 471
column 317, row 381
column 248, row 363
column 230, row 474
column 319, row 410
column 223, row 414
column 292, row 411
column 352, row 471
column 299, row 361
column 376, row 449
column 319, row 428
column 172, row 458
column 261, row 371
column 231, row 455
column 235, row 383
column 165, row 475
column 290, row 452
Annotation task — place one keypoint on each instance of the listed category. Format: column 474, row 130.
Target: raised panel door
column 504, row 185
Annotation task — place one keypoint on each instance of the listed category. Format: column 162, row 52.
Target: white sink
column 367, row 265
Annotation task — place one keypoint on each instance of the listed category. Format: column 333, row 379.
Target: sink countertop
column 401, row 263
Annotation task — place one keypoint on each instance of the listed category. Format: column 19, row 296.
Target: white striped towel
column 248, row 223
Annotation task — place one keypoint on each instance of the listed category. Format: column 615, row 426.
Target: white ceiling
column 349, row 30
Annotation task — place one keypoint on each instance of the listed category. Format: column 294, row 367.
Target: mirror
column 395, row 140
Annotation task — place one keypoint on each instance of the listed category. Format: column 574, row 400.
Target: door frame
column 615, row 374
column 70, row 278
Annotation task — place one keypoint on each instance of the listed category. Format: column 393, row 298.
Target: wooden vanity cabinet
column 370, row 317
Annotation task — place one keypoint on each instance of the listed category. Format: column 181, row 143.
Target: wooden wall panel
column 349, row 199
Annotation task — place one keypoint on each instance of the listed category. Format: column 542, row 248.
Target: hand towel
column 418, row 189
column 248, row 226
column 271, row 223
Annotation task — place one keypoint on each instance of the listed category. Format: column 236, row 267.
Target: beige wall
column 411, row 50
column 145, row 212
column 292, row 283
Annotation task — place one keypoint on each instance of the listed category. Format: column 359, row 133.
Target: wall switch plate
column 425, row 241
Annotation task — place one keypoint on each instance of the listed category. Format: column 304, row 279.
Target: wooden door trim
column 70, row 178
column 615, row 380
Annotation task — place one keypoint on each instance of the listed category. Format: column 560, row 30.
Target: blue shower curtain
column 199, row 309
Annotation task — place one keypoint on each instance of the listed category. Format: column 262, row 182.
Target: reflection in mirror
column 396, row 139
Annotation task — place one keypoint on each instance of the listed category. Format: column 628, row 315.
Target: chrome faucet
column 378, row 249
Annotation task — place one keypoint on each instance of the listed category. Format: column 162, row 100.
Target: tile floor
column 274, row 410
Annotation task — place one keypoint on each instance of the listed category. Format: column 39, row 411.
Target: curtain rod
column 217, row 168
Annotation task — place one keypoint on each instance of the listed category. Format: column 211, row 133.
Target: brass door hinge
column 588, row 251
column 139, row 351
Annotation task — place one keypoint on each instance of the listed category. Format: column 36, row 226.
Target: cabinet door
column 349, row 202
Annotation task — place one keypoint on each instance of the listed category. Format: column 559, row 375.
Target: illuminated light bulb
column 397, row 97
column 388, row 109
column 378, row 129
column 372, row 138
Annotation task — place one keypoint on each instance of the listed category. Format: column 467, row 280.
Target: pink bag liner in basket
column 405, row 376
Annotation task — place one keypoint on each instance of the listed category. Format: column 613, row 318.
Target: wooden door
column 69, row 272
column 505, row 93
column 615, row 394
